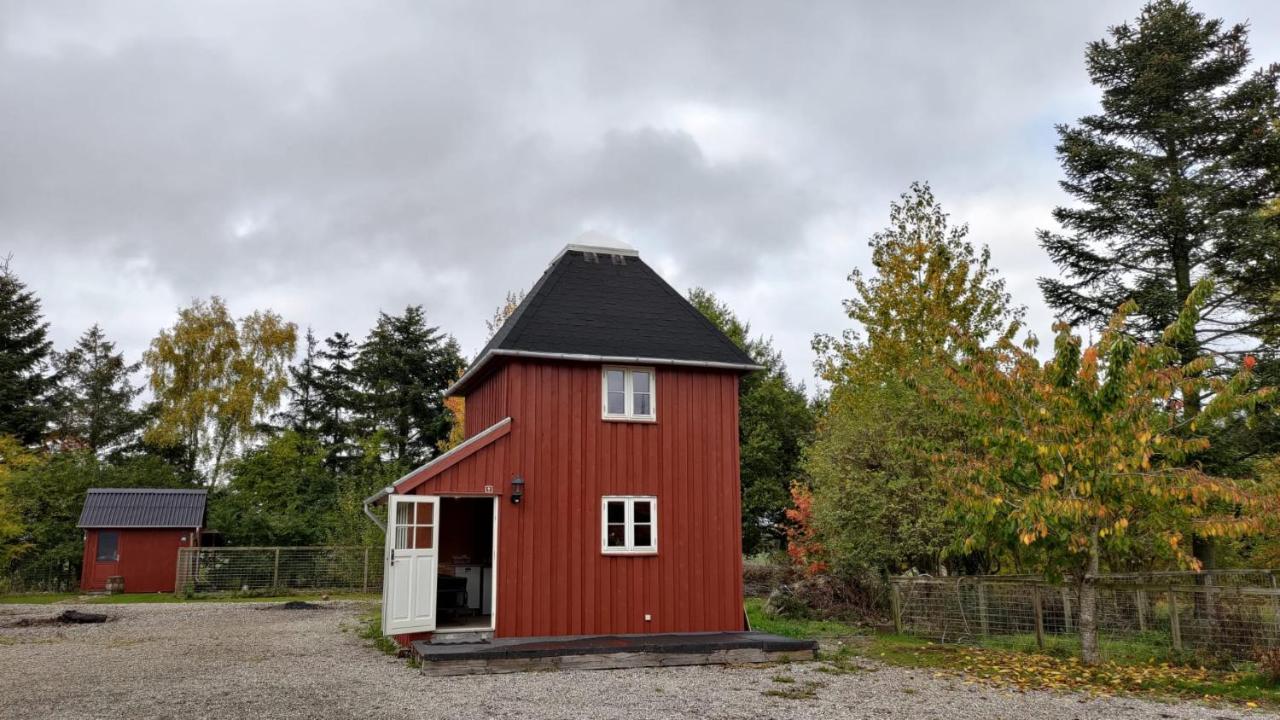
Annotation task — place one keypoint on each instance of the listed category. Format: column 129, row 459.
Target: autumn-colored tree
column 878, row 500
column 214, row 379
column 504, row 311
column 1078, row 460
column 14, row 542
column 803, row 546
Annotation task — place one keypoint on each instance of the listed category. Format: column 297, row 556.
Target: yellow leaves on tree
column 1090, row 451
column 14, row 458
column 214, row 379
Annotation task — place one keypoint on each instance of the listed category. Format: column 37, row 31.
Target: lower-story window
column 629, row 524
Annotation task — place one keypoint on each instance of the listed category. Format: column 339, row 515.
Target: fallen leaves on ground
column 1042, row 672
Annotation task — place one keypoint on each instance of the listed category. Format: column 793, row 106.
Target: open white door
column 409, row 575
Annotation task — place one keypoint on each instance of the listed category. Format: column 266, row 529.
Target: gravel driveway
column 224, row 660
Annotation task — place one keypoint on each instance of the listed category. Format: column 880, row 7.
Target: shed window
column 629, row 393
column 108, row 546
column 630, row 525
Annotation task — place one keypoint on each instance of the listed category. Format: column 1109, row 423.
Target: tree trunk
column 1089, row 606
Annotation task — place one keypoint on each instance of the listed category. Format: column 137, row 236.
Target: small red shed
column 135, row 534
column 597, row 489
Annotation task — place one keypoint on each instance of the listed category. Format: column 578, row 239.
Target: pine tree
column 25, row 351
column 303, row 414
column 337, row 399
column 404, row 367
column 1171, row 180
column 94, row 401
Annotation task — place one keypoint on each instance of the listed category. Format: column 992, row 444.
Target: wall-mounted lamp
column 517, row 490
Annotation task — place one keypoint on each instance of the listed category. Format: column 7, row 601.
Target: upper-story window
column 629, row 393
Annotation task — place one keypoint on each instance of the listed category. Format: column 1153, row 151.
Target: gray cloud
column 331, row 160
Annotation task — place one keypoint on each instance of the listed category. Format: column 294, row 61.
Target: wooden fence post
column 1066, row 609
column 1037, row 606
column 275, row 575
column 364, row 584
column 1175, row 625
column 895, row 602
column 1275, row 599
column 1140, row 602
column 982, row 608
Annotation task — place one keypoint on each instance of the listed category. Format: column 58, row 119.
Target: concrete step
column 461, row 638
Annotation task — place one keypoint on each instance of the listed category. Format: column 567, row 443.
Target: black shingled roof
column 142, row 507
column 602, row 305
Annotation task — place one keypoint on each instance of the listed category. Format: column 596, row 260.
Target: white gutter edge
column 619, row 359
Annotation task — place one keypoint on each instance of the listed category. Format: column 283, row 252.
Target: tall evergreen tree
column 404, row 367
column 94, row 401
column 337, row 398
column 774, row 425
column 302, row 415
column 1171, row 178
column 25, row 351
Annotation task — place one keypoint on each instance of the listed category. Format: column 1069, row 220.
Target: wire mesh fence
column 57, row 578
column 1223, row 616
column 283, row 569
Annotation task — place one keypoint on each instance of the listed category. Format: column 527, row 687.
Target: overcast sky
column 331, row 160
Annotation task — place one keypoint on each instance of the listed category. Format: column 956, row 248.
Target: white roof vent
column 593, row 242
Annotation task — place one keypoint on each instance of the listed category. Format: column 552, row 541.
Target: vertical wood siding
column 148, row 559
column 552, row 577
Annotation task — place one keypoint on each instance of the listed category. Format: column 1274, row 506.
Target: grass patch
column 788, row 627
column 132, row 598
column 370, row 629
column 807, row 690
column 35, row 598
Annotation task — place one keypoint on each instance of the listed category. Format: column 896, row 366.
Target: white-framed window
column 629, row 393
column 629, row 525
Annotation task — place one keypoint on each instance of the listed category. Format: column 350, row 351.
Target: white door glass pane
column 423, row 537
column 404, row 513
column 426, row 511
column 403, row 537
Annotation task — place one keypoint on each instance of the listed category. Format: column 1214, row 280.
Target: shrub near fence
column 1223, row 616
column 283, row 569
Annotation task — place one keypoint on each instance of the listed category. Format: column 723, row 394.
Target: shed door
column 409, row 580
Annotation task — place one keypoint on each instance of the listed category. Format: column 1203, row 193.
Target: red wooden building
column 597, row 490
column 135, row 534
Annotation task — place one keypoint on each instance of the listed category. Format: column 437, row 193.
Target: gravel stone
column 224, row 660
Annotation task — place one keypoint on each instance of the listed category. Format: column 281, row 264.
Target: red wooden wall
column 552, row 577
column 148, row 559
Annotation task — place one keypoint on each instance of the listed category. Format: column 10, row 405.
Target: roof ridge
column 203, row 491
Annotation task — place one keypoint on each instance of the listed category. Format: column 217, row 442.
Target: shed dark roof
column 142, row 507
column 614, row 306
